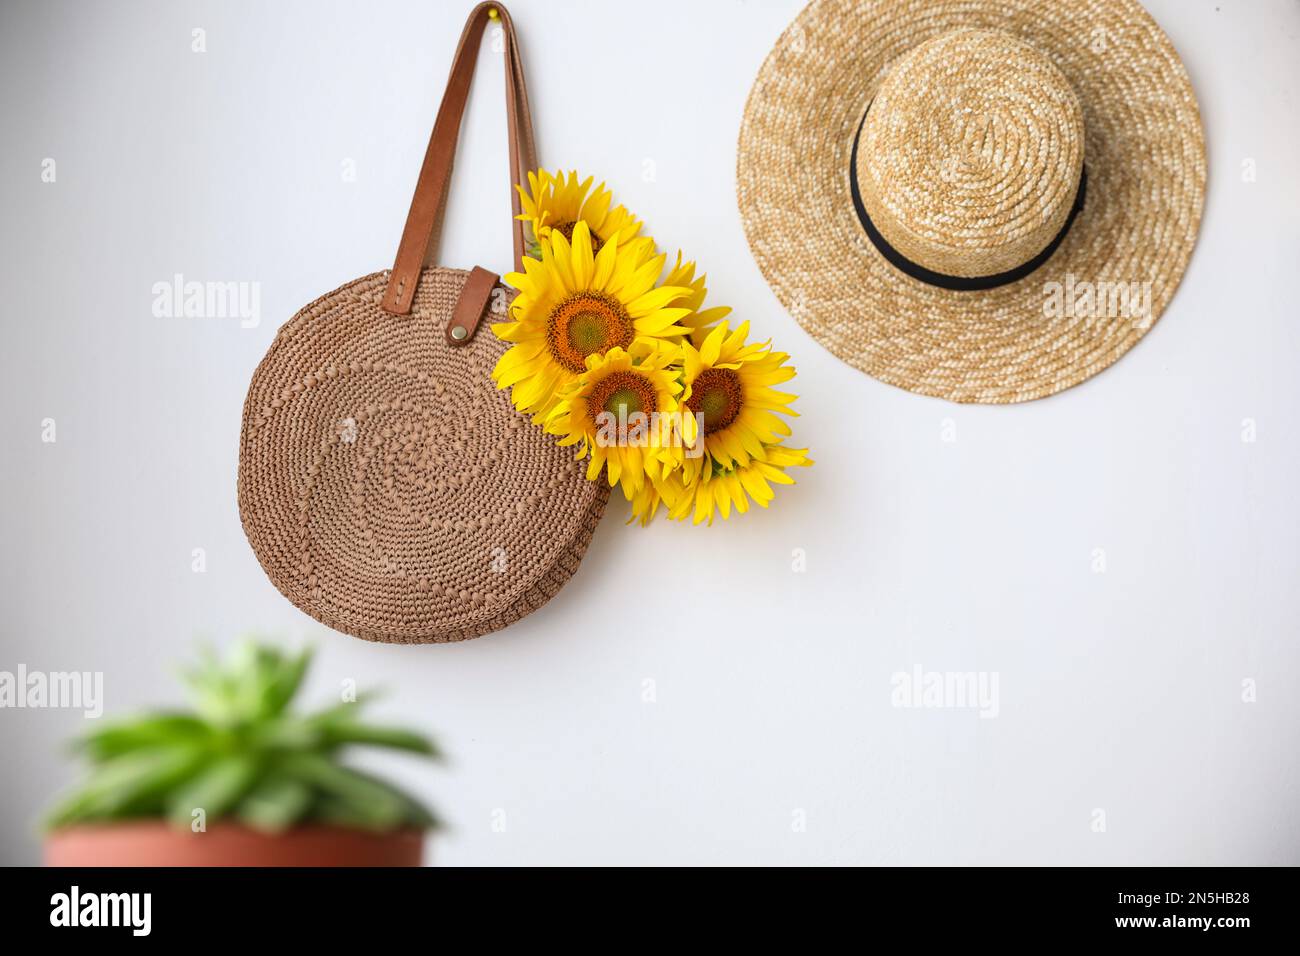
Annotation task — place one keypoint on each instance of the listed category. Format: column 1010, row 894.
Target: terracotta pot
column 154, row 843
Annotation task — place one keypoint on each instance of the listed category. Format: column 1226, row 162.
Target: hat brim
column 1145, row 158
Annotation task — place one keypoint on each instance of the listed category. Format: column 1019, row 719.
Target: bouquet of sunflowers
column 659, row 393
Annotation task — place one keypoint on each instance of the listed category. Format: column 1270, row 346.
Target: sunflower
column 554, row 202
column 573, row 305
column 701, row 320
column 645, row 503
column 729, row 386
column 615, row 413
column 716, row 488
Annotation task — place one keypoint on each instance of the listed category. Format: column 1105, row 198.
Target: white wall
column 1119, row 691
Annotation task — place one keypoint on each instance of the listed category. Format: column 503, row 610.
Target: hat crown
column 970, row 153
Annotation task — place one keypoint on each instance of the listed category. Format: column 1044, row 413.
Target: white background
column 1119, row 691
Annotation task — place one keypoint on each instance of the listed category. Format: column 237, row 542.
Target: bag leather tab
column 473, row 302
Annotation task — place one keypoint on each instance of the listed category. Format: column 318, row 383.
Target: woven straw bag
column 388, row 488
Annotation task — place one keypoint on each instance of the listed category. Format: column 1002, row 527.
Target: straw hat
column 981, row 200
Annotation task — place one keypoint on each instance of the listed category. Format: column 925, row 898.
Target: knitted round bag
column 388, row 488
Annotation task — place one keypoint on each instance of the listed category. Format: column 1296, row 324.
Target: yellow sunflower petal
column 603, row 267
column 582, row 262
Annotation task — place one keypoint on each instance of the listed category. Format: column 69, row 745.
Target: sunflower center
column 623, row 394
column 716, row 395
column 566, row 230
column 587, row 323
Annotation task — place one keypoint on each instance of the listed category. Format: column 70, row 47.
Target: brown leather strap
column 424, row 221
column 471, row 305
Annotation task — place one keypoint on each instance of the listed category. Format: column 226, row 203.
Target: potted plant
column 242, row 780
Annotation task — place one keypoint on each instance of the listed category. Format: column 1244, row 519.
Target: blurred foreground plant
column 243, row 754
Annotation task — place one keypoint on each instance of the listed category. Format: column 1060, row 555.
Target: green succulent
column 243, row 754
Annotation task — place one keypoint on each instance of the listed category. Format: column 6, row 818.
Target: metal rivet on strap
column 459, row 332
